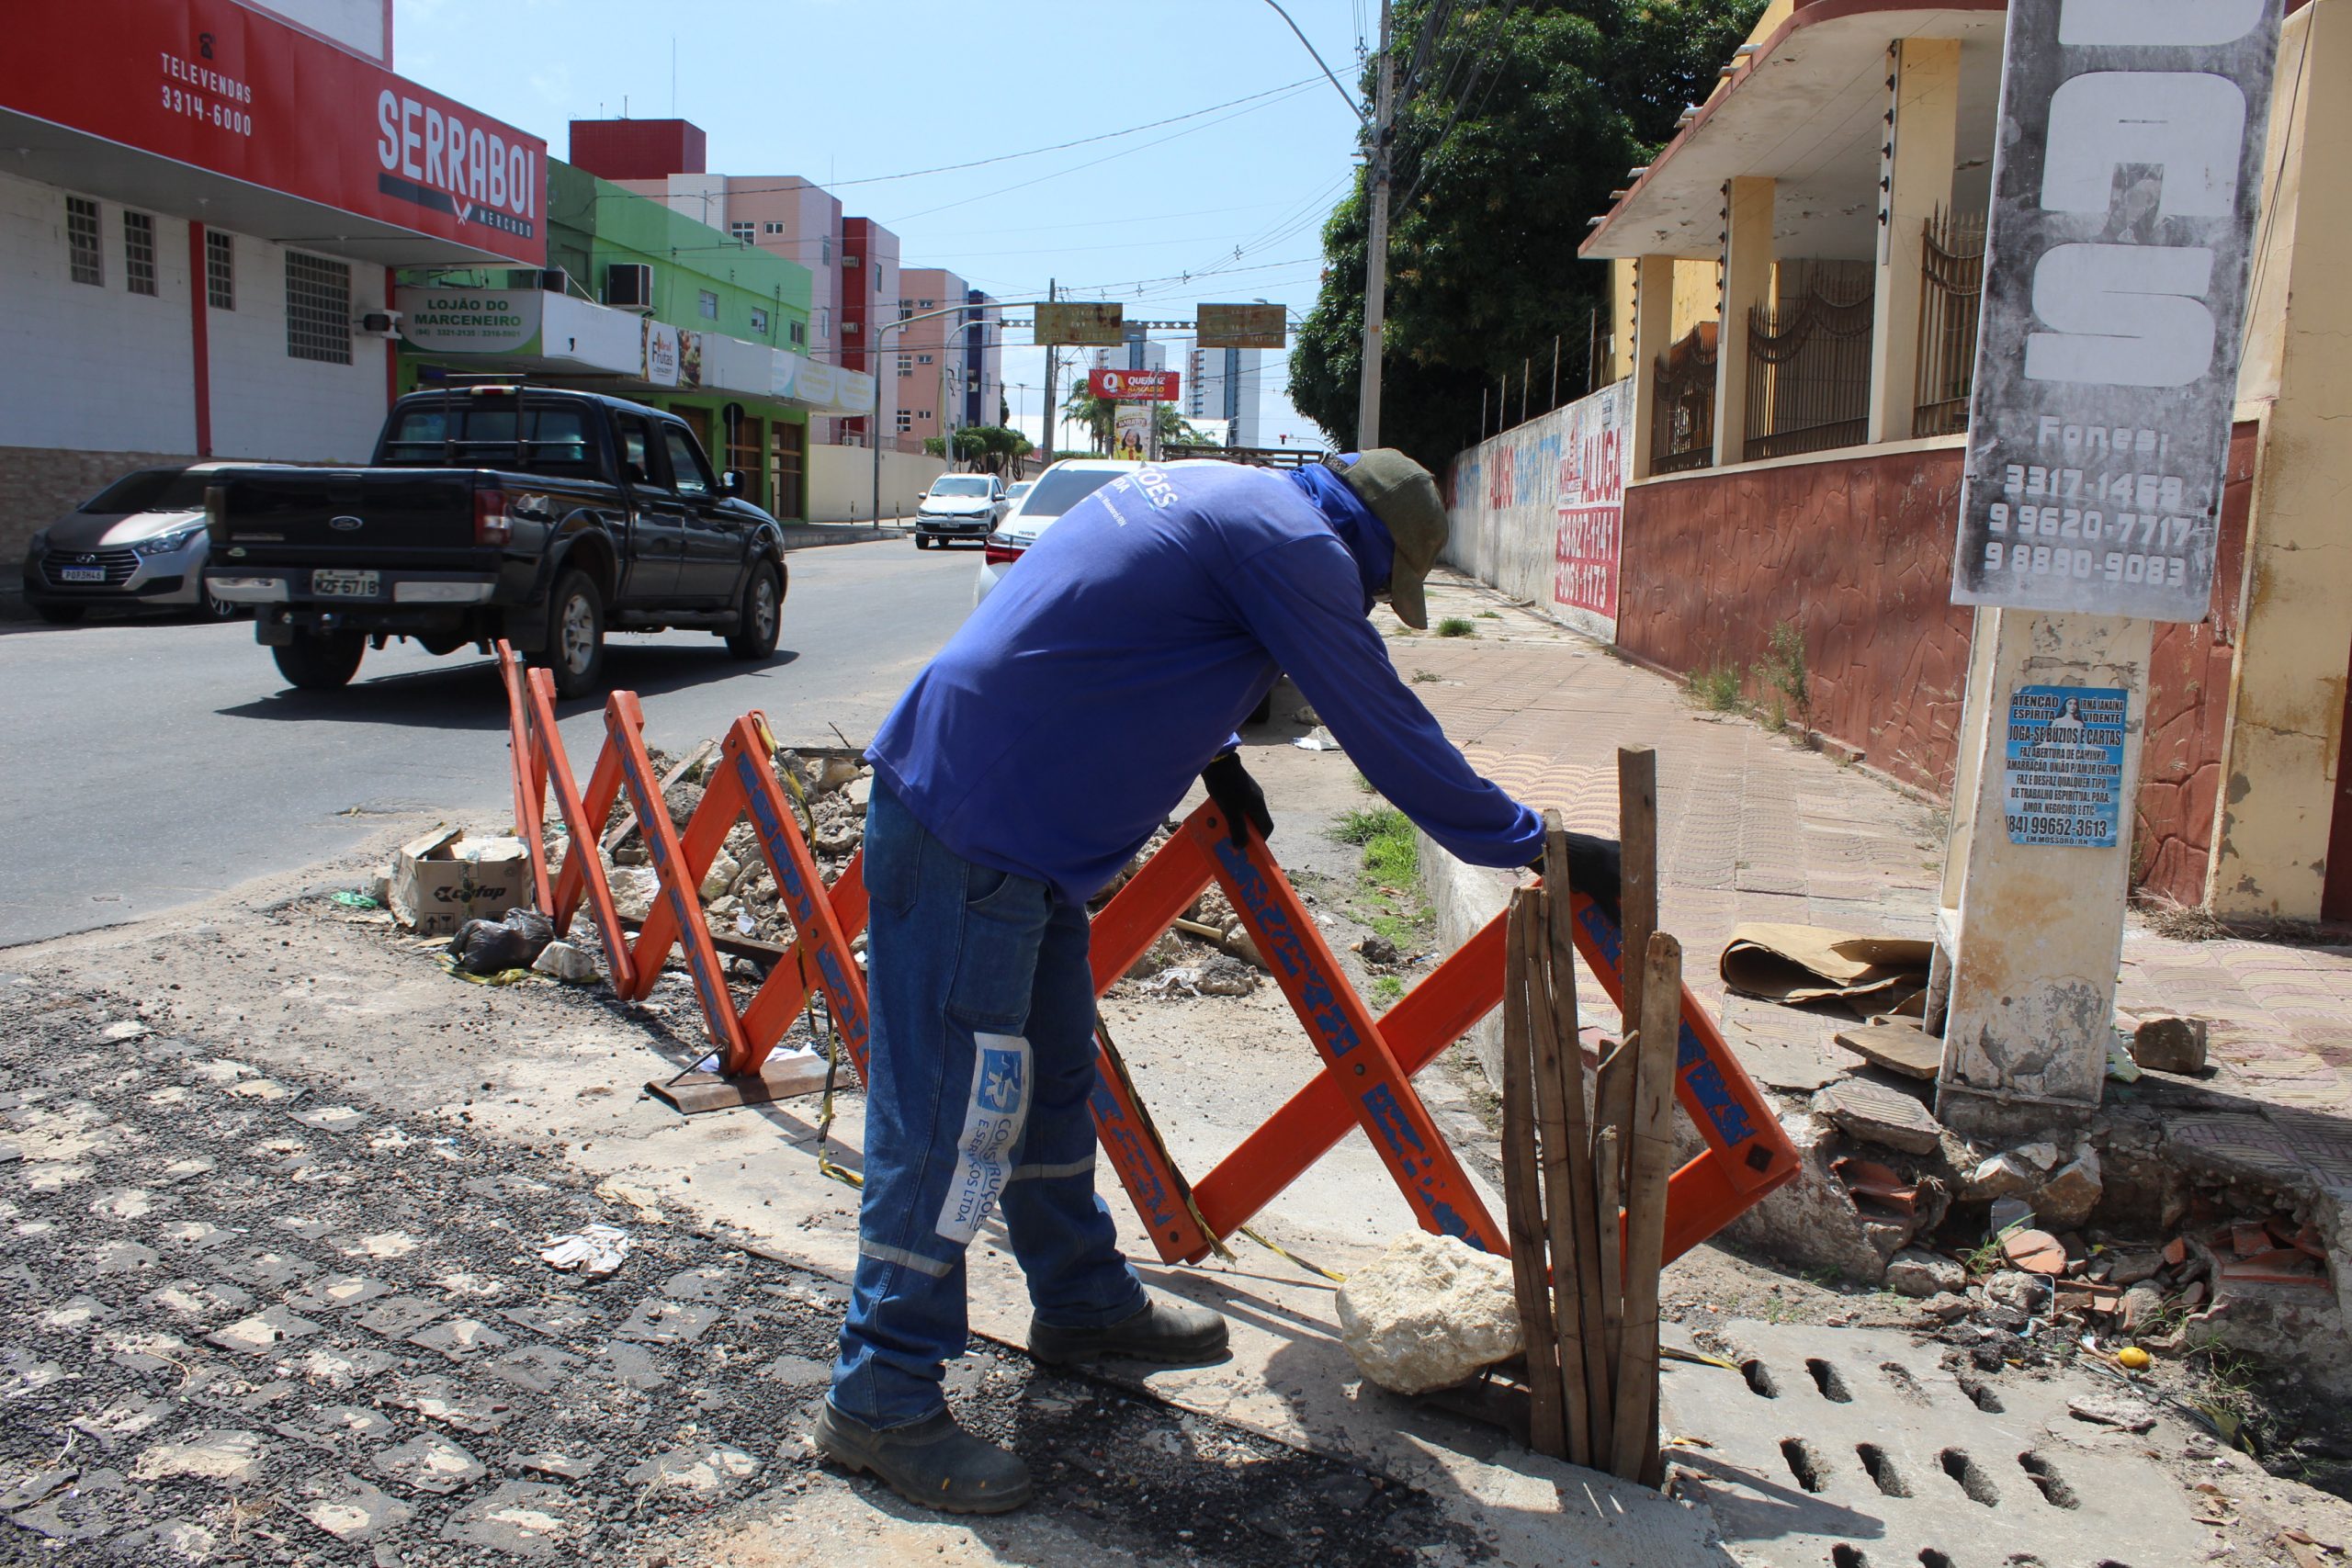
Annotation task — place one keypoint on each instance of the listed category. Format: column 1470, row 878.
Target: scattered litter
column 443, row 879
column 562, row 961
column 349, row 899
column 596, row 1251
column 1316, row 739
column 494, row 947
column 1219, row 977
column 1796, row 963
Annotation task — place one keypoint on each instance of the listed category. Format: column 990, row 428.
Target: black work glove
column 1238, row 795
column 1596, row 869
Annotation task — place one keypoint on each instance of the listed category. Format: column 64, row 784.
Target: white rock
column 2041, row 1157
column 634, row 889
column 566, row 962
column 1429, row 1312
column 720, row 877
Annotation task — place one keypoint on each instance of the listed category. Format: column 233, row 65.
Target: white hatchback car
column 1059, row 487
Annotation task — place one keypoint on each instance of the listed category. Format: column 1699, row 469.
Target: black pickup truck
column 540, row 515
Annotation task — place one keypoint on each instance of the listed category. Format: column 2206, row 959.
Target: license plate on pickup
column 327, row 584
column 82, row 574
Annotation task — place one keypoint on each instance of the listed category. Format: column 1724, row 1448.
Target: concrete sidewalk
column 1753, row 827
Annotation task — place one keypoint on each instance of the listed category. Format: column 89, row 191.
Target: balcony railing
column 1809, row 362
column 1953, row 266
column 1683, row 431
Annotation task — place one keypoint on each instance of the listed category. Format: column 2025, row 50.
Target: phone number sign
column 2125, row 187
column 2065, row 755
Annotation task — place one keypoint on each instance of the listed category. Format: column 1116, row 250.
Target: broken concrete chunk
column 634, row 887
column 720, row 877
column 2002, row 1176
column 2073, row 1190
column 2041, row 1157
column 1912, row 1272
column 1429, row 1313
column 1880, row 1115
column 1897, row 1047
column 2170, row 1044
column 2117, row 1410
column 2130, row 1268
column 566, row 962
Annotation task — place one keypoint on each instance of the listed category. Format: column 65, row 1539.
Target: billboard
column 471, row 320
column 1089, row 322
column 1241, row 326
column 1131, row 432
column 219, row 88
column 1135, row 386
column 2125, row 185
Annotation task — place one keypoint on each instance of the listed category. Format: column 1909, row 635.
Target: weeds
column 1363, row 784
column 1457, row 626
column 1423, row 677
column 1490, row 614
column 1362, row 824
column 1716, row 688
column 1386, row 989
column 1390, row 878
column 1783, row 672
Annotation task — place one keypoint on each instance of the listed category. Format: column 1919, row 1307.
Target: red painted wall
column 1858, row 552
column 637, row 149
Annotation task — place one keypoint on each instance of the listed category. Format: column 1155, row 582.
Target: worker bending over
column 1023, row 770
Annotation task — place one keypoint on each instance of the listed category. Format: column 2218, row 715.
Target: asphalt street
column 151, row 763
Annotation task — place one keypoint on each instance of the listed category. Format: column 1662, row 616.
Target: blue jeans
column 981, row 1069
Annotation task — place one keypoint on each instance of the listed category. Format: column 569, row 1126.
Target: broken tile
column 564, row 1466
column 265, row 1330
column 397, row 1318
column 1897, row 1047
column 353, row 1511
column 658, row 1322
column 460, row 1337
column 232, row 1457
column 526, row 1518
column 438, row 1399
column 431, row 1465
column 1877, row 1115
column 701, row 1472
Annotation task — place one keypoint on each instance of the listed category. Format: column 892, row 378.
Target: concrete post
column 1747, row 280
column 1653, row 332
column 2032, row 995
column 1924, row 118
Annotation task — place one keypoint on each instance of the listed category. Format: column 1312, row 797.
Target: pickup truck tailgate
column 395, row 520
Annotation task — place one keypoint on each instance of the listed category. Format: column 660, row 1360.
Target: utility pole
column 1376, row 261
column 1053, row 364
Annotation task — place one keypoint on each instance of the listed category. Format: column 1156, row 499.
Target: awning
column 1809, row 112
column 532, row 332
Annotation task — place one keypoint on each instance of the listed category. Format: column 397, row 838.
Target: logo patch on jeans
column 998, row 1108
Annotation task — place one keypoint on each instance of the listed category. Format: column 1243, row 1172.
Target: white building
column 197, row 228
column 1223, row 384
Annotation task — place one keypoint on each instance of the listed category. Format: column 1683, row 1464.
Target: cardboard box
column 443, row 880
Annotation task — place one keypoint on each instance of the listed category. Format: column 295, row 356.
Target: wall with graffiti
column 1538, row 510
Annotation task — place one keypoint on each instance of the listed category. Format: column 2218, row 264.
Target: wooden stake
column 1553, row 1160
column 1608, row 1165
column 1650, row 1161
column 1575, row 1248
column 1637, row 901
column 1523, row 1183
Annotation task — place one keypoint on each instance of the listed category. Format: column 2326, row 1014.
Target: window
column 139, row 252
column 770, row 227
column 798, row 331
column 318, row 309
column 850, row 262
column 825, row 250
column 743, row 231
column 84, row 263
column 220, row 270
column 759, row 321
column 906, row 422
column 687, row 475
column 905, row 360
column 708, row 303
column 922, row 359
column 637, row 449
column 925, row 304
column 877, row 277
column 824, row 323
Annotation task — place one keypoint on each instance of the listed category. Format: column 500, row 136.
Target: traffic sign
column 1085, row 321
column 1241, row 326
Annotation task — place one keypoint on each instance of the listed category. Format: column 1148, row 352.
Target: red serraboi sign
column 210, row 84
column 1135, row 386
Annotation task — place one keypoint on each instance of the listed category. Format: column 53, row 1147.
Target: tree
column 1496, row 177
column 992, row 448
column 1100, row 416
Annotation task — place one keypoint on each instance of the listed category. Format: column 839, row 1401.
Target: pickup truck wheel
column 575, row 647
column 321, row 662
column 762, row 613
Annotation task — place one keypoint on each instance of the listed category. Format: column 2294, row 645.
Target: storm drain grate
column 1901, row 1460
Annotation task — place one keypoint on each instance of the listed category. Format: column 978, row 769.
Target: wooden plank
column 1552, row 1162
column 1522, row 1182
column 1637, row 901
column 1576, row 1258
column 780, row 1077
column 1649, row 1162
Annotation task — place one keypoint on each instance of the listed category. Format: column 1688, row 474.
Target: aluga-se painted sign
column 2124, row 193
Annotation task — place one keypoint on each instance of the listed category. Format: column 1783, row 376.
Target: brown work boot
column 1175, row 1333
column 934, row 1462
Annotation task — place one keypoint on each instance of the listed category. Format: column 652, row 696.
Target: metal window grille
column 318, row 309
column 709, row 304
column 139, row 252
column 1953, row 264
column 1683, row 427
column 86, row 263
column 220, row 270
column 1809, row 362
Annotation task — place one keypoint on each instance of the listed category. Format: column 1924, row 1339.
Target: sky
column 849, row 92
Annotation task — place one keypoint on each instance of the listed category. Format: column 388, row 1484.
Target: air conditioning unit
column 555, row 280
column 629, row 282
column 382, row 323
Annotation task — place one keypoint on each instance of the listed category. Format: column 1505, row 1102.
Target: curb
column 1462, row 898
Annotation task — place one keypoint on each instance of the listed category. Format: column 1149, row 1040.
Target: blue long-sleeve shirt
column 1067, row 717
